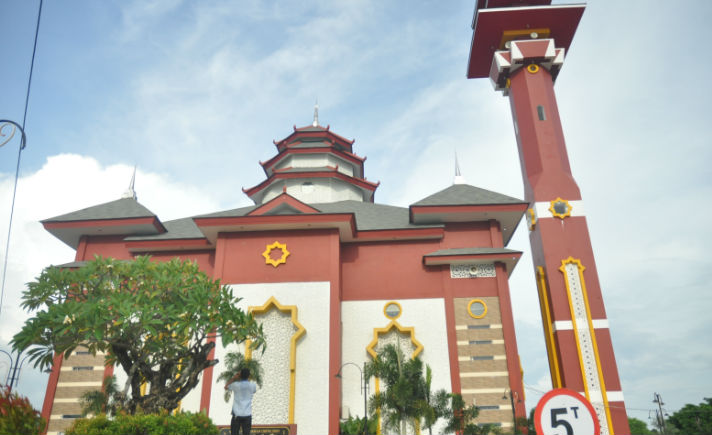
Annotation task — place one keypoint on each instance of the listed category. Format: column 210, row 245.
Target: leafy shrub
column 354, row 426
column 17, row 416
column 182, row 423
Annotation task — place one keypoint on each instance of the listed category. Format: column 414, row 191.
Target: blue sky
column 193, row 93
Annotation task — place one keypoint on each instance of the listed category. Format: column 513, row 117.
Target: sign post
column 565, row 412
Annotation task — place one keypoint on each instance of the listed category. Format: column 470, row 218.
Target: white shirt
column 243, row 392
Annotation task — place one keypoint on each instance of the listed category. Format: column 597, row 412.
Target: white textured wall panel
column 312, row 366
column 359, row 318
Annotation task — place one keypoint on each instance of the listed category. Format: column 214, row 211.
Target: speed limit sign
column 565, row 412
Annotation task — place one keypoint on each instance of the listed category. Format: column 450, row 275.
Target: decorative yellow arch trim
column 533, row 68
column 410, row 331
column 268, row 251
column 555, row 213
column 292, row 310
column 581, row 268
column 371, row 349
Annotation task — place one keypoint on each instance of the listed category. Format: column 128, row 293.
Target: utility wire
column 19, row 155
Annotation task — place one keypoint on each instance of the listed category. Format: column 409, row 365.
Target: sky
column 193, row 93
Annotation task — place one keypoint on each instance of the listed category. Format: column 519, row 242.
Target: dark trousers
column 240, row 422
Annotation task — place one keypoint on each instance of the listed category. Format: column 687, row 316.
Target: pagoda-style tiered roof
column 316, row 165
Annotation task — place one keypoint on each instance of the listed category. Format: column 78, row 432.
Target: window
column 480, row 341
column 478, row 326
column 482, row 358
column 486, row 407
column 80, row 368
column 540, row 111
column 71, row 416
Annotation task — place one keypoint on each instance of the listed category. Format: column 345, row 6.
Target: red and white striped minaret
column 520, row 45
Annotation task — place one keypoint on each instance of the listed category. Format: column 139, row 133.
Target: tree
column 17, row 416
column 434, row 405
column 531, row 426
column 638, row 427
column 154, row 319
column 461, row 418
column 693, row 419
column 107, row 401
column 401, row 398
column 236, row 361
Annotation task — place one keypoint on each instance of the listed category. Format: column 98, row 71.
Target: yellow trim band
column 548, row 330
column 581, row 268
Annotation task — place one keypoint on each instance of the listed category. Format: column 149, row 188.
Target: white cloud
column 67, row 183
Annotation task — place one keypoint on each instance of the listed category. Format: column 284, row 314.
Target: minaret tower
column 520, row 46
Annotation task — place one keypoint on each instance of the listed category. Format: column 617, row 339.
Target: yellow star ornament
column 268, row 254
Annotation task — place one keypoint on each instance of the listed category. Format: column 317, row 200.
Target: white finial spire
column 316, row 114
column 130, row 192
column 459, row 179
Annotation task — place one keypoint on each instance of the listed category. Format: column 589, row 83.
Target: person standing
column 242, row 390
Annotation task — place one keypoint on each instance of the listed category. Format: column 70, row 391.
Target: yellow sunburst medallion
column 268, row 254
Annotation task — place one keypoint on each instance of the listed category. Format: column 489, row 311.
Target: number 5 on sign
column 565, row 412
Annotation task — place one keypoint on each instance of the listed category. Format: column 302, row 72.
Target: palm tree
column 402, row 396
column 236, row 361
column 434, row 406
column 108, row 400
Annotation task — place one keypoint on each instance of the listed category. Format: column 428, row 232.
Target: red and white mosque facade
column 333, row 276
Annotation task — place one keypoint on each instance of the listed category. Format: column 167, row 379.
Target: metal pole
column 9, row 369
column 514, row 414
column 659, row 400
column 365, row 398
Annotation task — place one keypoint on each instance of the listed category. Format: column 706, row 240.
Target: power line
column 19, row 155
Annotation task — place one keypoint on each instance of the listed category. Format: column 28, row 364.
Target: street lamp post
column 514, row 414
column 13, row 373
column 364, row 387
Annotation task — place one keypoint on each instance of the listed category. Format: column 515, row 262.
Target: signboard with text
column 565, row 412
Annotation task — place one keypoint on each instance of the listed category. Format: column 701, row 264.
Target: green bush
column 182, row 423
column 17, row 416
column 354, row 426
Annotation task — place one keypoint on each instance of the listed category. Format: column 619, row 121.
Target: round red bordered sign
column 565, row 412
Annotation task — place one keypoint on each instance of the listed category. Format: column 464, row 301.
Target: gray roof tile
column 464, row 194
column 124, row 208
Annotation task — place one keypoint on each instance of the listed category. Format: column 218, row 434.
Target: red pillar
column 561, row 246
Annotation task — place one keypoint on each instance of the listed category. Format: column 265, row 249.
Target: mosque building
column 333, row 276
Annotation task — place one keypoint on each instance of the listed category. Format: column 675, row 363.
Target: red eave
column 345, row 222
column 404, row 234
column 455, row 209
column 315, row 150
column 162, row 245
column 151, row 220
column 282, row 176
column 445, row 259
column 490, row 24
column 241, row 221
column 326, row 134
column 282, row 199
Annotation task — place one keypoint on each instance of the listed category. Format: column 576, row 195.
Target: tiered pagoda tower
column 520, row 45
